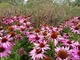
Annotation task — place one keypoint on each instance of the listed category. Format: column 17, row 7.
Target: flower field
column 20, row 40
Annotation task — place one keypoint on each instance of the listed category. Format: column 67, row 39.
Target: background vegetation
column 41, row 10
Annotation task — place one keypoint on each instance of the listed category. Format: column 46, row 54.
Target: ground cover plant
column 20, row 40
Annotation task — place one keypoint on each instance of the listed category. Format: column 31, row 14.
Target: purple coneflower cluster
column 69, row 50
column 74, row 24
column 9, row 37
column 42, row 38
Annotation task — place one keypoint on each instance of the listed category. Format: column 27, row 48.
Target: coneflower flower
column 75, row 53
column 37, row 54
column 5, row 41
column 62, row 52
column 42, row 45
column 4, row 52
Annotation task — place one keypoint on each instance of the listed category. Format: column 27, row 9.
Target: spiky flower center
column 28, row 26
column 37, row 38
column 25, row 21
column 54, row 35
column 67, row 34
column 78, row 47
column 37, row 30
column 4, row 40
column 76, row 28
column 44, row 24
column 1, row 28
column 2, row 49
column 78, row 53
column 12, row 34
column 38, row 51
column 62, row 54
column 11, row 28
column 41, row 45
column 69, row 42
column 18, row 24
column 44, row 33
column 47, row 58
column 22, row 29
column 78, row 17
column 76, row 23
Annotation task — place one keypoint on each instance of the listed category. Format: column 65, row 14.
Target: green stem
column 52, row 48
column 2, row 58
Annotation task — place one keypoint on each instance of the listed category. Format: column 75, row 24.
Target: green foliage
column 66, row 30
column 14, row 55
column 27, row 47
column 5, row 4
column 19, row 44
column 74, row 36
